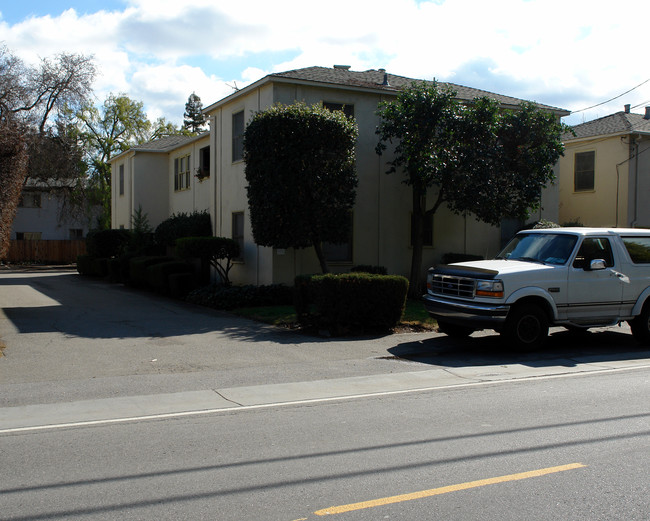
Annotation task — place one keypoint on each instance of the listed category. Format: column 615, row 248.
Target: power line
column 612, row 99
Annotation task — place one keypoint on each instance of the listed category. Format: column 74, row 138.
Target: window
column 427, row 232
column 182, row 173
column 339, row 252
column 238, row 232
column 238, row 136
column 584, row 171
column 348, row 109
column 29, row 200
column 204, row 163
column 593, row 248
column 638, row 248
column 121, row 179
column 76, row 234
column 28, row 236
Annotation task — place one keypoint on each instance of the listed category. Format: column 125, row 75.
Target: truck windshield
column 547, row 248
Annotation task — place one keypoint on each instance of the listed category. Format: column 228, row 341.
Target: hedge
column 157, row 274
column 107, row 243
column 355, row 301
column 138, row 268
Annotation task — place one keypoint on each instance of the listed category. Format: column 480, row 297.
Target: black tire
column 641, row 326
column 454, row 330
column 526, row 327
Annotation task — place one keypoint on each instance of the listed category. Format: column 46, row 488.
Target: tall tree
column 194, row 118
column 300, row 168
column 13, row 169
column 475, row 158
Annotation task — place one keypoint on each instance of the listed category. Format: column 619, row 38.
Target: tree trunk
column 417, row 223
column 321, row 257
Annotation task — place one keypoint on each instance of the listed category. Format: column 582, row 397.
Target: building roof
column 163, row 145
column 614, row 124
column 375, row 80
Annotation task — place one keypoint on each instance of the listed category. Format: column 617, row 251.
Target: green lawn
column 414, row 315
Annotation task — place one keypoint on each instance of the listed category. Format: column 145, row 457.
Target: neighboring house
column 44, row 214
column 162, row 177
column 381, row 218
column 605, row 172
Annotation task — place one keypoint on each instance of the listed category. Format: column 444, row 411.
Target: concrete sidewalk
column 123, row 409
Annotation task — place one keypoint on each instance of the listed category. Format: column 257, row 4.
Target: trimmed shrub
column 114, row 270
column 449, row 258
column 219, row 296
column 180, row 284
column 359, row 301
column 364, row 268
column 157, row 275
column 85, row 265
column 107, row 243
column 138, row 268
column 195, row 224
column 303, row 297
column 215, row 251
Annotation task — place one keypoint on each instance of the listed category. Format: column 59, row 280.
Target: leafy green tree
column 475, row 158
column 300, row 168
column 194, row 118
column 119, row 124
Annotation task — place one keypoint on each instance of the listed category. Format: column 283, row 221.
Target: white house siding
column 197, row 196
column 48, row 219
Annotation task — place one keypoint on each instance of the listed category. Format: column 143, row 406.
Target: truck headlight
column 489, row 288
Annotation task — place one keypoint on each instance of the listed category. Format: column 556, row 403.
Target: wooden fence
column 46, row 252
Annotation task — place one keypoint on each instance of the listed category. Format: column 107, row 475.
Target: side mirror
column 597, row 264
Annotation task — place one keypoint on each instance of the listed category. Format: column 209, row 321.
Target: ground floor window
column 238, row 233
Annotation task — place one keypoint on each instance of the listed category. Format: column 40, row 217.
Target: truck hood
column 493, row 268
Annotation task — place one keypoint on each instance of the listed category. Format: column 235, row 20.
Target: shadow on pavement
column 563, row 348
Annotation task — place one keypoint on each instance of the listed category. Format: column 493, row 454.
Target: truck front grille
column 453, row 286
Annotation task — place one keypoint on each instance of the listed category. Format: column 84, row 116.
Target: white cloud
column 568, row 54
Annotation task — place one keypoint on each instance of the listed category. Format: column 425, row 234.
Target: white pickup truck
column 572, row 277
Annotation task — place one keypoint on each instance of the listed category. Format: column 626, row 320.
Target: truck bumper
column 471, row 314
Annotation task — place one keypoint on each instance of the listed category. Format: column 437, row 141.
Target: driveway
column 70, row 338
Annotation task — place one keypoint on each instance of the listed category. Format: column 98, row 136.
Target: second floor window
column 238, row 136
column 121, row 179
column 584, row 170
column 182, row 173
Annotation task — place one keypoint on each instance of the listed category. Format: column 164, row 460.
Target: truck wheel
column 641, row 326
column 454, row 330
column 526, row 327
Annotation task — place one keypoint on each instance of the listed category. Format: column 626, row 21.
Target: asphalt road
column 115, row 404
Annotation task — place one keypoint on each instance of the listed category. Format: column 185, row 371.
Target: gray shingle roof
column 165, row 144
column 617, row 123
column 375, row 79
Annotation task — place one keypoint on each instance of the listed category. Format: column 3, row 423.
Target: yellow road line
column 444, row 490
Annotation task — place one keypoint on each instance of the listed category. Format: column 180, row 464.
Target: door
column 594, row 295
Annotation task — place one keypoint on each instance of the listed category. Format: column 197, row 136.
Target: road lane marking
column 444, row 490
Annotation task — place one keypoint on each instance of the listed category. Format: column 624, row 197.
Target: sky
column 572, row 54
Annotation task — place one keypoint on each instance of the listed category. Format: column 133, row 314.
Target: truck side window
column 594, row 248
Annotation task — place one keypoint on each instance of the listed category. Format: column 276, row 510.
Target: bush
column 359, row 301
column 215, row 251
column 303, row 297
column 107, row 243
column 376, row 270
column 138, row 268
column 449, row 258
column 219, row 296
column 85, row 265
column 157, row 274
column 196, row 224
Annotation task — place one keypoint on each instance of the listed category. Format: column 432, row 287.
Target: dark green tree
column 474, row 158
column 300, row 168
column 194, row 118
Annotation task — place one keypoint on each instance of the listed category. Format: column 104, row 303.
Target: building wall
column 639, row 184
column 197, row 196
column 48, row 220
column 381, row 230
column 607, row 204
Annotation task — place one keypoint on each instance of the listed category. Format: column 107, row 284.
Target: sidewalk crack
column 228, row 399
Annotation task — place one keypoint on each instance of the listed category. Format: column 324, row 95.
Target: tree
column 13, row 169
column 118, row 125
column 194, row 118
column 476, row 158
column 300, row 168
